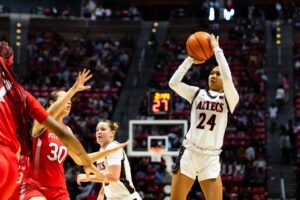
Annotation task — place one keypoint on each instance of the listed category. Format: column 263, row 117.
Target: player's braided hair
column 6, row 52
column 17, row 95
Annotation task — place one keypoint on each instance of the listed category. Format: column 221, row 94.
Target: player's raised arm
column 82, row 178
column 185, row 91
column 58, row 106
column 230, row 91
column 99, row 154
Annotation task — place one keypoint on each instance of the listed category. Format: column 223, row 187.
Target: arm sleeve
column 115, row 158
column 230, row 91
column 35, row 109
column 185, row 91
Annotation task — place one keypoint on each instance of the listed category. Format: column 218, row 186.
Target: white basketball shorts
column 195, row 164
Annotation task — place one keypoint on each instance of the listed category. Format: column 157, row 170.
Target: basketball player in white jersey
column 199, row 154
column 117, row 183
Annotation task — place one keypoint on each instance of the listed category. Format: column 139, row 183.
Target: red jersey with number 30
column 47, row 162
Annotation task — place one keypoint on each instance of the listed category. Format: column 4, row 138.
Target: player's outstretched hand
column 93, row 178
column 82, row 78
column 91, row 169
column 214, row 41
column 81, row 178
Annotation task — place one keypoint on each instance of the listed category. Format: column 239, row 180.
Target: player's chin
column 99, row 140
column 214, row 87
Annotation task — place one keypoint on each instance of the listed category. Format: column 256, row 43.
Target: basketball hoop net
column 156, row 153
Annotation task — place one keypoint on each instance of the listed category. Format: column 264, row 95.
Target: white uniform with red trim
column 124, row 188
column 199, row 155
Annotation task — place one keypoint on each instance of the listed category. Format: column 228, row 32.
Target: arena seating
column 297, row 103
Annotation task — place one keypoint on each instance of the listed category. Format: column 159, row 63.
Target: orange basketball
column 198, row 46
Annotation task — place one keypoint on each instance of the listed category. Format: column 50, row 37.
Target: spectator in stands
column 273, row 117
column 286, row 86
column 226, row 168
column 250, row 153
column 239, row 169
column 260, row 163
column 88, row 9
column 297, row 64
column 280, row 95
column 285, row 146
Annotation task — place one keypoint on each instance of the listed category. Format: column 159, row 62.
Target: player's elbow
column 113, row 176
column 113, row 179
column 233, row 103
column 172, row 84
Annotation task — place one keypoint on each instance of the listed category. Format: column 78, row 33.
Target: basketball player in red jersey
column 199, row 154
column 23, row 168
column 45, row 178
column 17, row 106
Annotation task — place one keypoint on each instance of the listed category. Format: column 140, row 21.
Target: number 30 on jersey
column 58, row 153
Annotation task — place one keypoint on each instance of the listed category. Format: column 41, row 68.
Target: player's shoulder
column 42, row 133
column 112, row 145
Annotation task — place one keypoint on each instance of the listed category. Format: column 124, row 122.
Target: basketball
column 198, row 46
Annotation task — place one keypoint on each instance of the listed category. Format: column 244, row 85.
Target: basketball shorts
column 31, row 188
column 195, row 164
column 8, row 172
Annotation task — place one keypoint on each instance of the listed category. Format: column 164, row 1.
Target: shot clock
column 160, row 102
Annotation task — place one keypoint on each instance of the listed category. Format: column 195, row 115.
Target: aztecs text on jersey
column 209, row 117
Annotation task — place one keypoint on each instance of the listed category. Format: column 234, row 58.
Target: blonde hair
column 114, row 126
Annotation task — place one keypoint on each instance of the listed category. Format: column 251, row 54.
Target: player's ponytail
column 52, row 98
column 114, row 126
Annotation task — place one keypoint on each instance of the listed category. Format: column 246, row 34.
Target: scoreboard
column 160, row 102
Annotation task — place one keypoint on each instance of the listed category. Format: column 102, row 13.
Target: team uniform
column 199, row 154
column 122, row 189
column 45, row 177
column 9, row 144
column 23, row 168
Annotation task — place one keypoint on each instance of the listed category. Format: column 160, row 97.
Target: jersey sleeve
column 114, row 158
column 35, row 109
column 230, row 91
column 182, row 89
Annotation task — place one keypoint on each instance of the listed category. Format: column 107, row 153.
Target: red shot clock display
column 160, row 102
